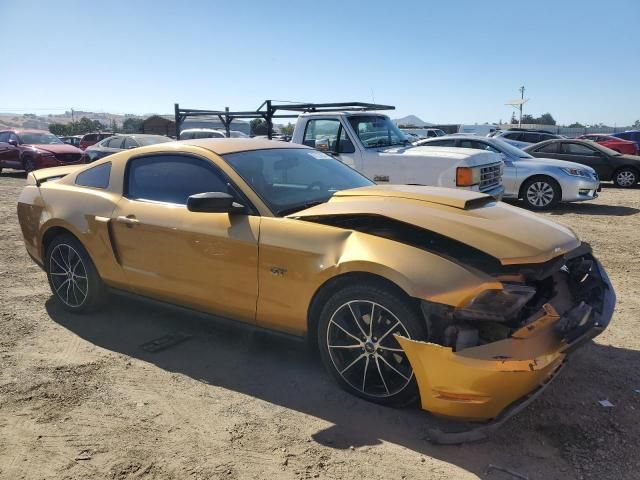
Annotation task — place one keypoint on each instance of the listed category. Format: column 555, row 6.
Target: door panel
column 207, row 261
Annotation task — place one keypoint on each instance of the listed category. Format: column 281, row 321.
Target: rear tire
column 625, row 177
column 362, row 355
column 541, row 193
column 73, row 278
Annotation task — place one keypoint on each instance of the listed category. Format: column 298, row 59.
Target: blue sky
column 456, row 62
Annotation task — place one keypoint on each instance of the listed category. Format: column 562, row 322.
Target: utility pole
column 521, row 104
column 72, row 117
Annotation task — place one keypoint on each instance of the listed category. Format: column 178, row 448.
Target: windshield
column 439, row 133
column 377, row 131
column 144, row 141
column 509, row 149
column 36, row 138
column 292, row 179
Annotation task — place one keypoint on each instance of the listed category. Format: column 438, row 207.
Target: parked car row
column 541, row 183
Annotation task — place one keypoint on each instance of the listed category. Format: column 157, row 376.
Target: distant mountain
column 412, row 120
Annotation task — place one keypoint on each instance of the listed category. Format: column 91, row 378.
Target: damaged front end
column 502, row 347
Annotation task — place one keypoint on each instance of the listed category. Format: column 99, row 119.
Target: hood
column 58, row 148
column 470, row 157
column 552, row 162
column 510, row 234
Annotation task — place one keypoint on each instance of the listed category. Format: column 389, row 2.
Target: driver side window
column 577, row 149
column 171, row 178
column 330, row 130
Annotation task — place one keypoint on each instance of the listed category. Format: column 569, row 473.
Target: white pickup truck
column 372, row 144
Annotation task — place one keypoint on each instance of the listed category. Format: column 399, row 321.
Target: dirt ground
column 80, row 398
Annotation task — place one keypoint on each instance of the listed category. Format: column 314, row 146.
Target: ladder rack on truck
column 268, row 111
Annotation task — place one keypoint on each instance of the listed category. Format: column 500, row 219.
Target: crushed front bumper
column 493, row 381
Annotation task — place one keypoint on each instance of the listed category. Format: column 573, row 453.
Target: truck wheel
column 72, row 276
column 356, row 339
column 625, row 177
column 541, row 193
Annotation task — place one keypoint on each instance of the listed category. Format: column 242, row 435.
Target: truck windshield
column 377, row 131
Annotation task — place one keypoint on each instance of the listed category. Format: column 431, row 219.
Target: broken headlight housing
column 496, row 305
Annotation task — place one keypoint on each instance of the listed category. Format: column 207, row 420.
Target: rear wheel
column 625, row 177
column 541, row 193
column 357, row 345
column 73, row 277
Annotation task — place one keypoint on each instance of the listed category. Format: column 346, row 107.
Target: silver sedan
column 540, row 182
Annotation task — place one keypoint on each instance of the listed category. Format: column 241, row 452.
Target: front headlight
column 576, row 172
column 496, row 305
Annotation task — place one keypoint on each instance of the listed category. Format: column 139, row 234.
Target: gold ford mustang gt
column 442, row 295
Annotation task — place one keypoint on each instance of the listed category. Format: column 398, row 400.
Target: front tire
column 541, row 193
column 72, row 276
column 356, row 340
column 28, row 165
column 625, row 177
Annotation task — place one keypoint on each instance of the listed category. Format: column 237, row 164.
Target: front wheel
column 541, row 193
column 357, row 345
column 73, row 277
column 625, row 177
column 28, row 165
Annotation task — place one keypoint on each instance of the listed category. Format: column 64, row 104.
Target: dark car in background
column 33, row 149
column 623, row 170
column 632, row 135
column 92, row 138
column 620, row 145
column 117, row 143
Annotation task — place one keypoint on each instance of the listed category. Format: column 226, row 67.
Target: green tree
column 636, row 124
column 259, row 126
column 287, row 129
column 546, row 119
column 132, row 125
column 59, row 129
column 576, row 125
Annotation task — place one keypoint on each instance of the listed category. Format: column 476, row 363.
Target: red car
column 92, row 138
column 620, row 145
column 32, row 149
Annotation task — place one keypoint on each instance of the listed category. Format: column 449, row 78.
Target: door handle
column 127, row 220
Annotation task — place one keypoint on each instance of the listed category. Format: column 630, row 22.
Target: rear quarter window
column 96, row 177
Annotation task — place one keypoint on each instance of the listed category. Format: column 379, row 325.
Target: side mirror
column 322, row 145
column 13, row 142
column 214, row 202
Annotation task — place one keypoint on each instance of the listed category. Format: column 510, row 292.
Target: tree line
column 86, row 125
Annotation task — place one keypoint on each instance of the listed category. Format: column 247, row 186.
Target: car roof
column 222, row 146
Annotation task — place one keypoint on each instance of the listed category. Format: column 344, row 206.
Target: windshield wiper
column 297, row 208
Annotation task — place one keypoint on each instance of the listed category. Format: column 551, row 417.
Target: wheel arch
column 335, row 283
column 540, row 176
column 52, row 232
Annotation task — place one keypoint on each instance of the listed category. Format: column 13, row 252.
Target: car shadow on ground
column 285, row 372
column 13, row 174
column 593, row 209
column 583, row 208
